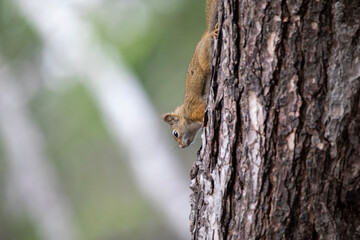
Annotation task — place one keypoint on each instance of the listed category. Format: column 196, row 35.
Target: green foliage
column 18, row 39
column 90, row 168
column 157, row 46
column 14, row 228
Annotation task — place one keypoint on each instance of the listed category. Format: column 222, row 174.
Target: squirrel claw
column 216, row 31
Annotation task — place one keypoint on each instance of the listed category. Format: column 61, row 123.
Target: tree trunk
column 280, row 157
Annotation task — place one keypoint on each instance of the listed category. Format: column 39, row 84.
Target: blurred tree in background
column 155, row 39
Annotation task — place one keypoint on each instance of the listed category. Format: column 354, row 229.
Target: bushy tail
column 211, row 14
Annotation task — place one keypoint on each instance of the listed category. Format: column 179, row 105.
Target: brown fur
column 187, row 118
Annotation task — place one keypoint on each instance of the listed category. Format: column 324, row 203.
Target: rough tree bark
column 280, row 157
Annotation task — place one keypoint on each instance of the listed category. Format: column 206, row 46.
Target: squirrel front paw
column 215, row 32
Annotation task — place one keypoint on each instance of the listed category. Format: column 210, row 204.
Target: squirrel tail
column 211, row 14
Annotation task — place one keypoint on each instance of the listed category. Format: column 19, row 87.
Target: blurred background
column 84, row 154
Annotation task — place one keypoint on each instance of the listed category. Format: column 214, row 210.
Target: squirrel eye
column 176, row 134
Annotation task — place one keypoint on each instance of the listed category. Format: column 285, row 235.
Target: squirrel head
column 183, row 130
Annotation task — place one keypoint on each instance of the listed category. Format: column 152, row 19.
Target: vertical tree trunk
column 281, row 138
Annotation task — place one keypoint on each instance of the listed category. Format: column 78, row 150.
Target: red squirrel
column 187, row 119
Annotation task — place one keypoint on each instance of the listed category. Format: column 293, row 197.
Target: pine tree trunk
column 280, row 157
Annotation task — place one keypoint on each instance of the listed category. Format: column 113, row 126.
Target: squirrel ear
column 170, row 118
